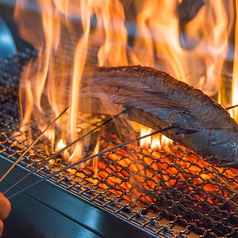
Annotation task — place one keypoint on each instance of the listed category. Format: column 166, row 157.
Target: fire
column 154, row 142
column 61, row 144
column 147, row 141
column 191, row 47
column 235, row 70
column 142, row 177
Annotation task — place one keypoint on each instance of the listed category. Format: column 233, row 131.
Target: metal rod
column 231, row 107
column 63, row 149
column 32, row 144
column 89, row 158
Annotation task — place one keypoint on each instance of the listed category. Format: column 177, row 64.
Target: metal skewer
column 63, row 149
column 86, row 159
column 231, row 107
column 32, row 144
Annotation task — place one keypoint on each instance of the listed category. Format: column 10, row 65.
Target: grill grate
column 171, row 191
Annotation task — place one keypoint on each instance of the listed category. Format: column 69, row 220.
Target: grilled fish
column 157, row 100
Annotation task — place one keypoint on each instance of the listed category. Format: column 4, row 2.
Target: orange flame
column 235, row 70
column 154, row 142
column 101, row 33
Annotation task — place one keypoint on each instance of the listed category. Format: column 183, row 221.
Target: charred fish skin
column 226, row 149
column 157, row 100
column 138, row 86
column 221, row 143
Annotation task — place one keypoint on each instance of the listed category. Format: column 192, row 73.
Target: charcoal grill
column 174, row 192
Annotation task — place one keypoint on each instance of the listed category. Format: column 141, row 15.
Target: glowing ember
column 144, row 176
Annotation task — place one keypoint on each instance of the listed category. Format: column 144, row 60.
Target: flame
column 142, row 177
column 153, row 33
column 235, row 70
column 154, row 142
column 60, row 145
column 108, row 33
column 147, row 141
